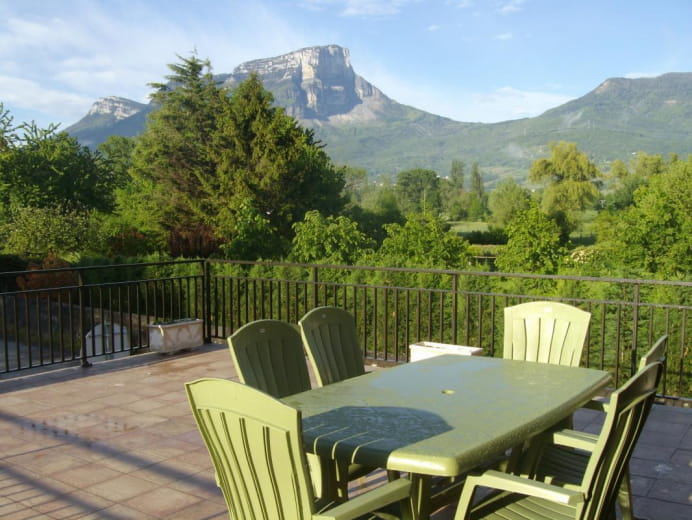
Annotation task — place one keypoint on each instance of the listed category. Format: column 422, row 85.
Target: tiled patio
column 117, row 441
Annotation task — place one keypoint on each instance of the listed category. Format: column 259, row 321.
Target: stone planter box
column 175, row 335
column 428, row 349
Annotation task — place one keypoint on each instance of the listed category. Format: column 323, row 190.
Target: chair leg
column 625, row 497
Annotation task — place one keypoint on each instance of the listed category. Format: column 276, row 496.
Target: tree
column 652, row 236
column 475, row 200
column 42, row 168
column 533, row 244
column 265, row 154
column 456, row 175
column 571, row 180
column 331, row 240
column 423, row 241
column 171, row 165
column 116, row 156
column 452, row 191
column 646, row 165
column 379, row 207
column 477, row 181
column 213, row 163
column 506, row 200
column 356, row 183
column 47, row 231
column 418, row 190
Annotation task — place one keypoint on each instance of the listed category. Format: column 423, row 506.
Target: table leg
column 420, row 496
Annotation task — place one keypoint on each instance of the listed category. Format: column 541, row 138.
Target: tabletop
column 441, row 416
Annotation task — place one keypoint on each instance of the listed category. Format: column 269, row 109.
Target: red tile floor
column 117, row 441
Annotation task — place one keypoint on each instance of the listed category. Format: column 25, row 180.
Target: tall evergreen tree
column 210, row 159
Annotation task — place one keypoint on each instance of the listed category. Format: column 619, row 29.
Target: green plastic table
column 441, row 416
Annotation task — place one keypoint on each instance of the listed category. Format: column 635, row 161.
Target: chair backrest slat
column 269, row 355
column 657, row 352
column 546, row 332
column 331, row 341
column 255, row 444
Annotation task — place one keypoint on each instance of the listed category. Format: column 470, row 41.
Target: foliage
column 456, row 175
column 331, row 240
column 47, row 231
column 265, row 155
column 170, row 161
column 652, row 237
column 116, row 157
column 42, row 168
column 423, row 241
column 254, row 236
column 533, row 244
column 506, row 200
column 571, row 179
column 418, row 190
column 205, row 158
column 452, row 190
column 356, row 183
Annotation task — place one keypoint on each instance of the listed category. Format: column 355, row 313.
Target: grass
column 461, row 226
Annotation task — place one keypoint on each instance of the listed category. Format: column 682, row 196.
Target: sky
column 469, row 60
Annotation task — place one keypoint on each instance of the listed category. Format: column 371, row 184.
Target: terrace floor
column 117, row 441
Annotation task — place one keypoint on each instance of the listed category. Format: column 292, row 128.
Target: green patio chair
column 546, row 332
column 330, row 338
column 544, row 494
column 255, row 443
column 331, row 341
column 657, row 352
column 268, row 355
column 573, row 462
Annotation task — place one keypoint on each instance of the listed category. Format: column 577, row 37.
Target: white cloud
column 461, row 4
column 61, row 57
column 433, row 28
column 32, row 96
column 359, row 7
column 509, row 103
column 501, row 104
column 504, row 36
column 511, row 6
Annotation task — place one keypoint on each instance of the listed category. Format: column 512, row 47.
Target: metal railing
column 86, row 317
column 395, row 307
column 106, row 310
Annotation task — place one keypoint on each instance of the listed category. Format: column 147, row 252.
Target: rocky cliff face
column 116, row 107
column 315, row 83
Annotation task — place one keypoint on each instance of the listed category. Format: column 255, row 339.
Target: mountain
column 362, row 127
column 108, row 116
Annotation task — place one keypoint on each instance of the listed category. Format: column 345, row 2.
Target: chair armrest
column 367, row 502
column 515, row 484
column 598, row 403
column 574, row 439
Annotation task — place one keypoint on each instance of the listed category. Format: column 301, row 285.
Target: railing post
column 315, row 281
column 82, row 325
column 455, row 289
column 206, row 300
column 635, row 329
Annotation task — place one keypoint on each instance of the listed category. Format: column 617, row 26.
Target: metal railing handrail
column 45, row 325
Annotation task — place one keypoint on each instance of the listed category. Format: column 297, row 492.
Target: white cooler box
column 428, row 349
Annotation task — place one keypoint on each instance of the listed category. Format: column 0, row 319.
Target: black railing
column 396, row 307
column 85, row 319
column 106, row 310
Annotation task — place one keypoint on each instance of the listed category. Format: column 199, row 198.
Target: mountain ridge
column 362, row 127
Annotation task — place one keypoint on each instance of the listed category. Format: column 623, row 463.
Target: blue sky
column 471, row 60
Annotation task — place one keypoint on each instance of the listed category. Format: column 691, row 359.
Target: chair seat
column 513, row 506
